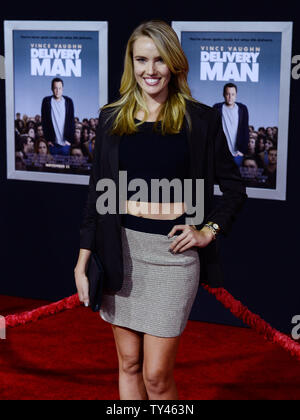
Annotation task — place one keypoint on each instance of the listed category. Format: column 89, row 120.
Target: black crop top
column 150, row 155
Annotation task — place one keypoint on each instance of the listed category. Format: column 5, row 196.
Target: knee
column 131, row 365
column 157, row 381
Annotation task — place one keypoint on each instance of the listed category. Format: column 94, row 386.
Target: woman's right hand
column 81, row 279
column 82, row 285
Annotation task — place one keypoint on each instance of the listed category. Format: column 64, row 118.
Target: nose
column 151, row 69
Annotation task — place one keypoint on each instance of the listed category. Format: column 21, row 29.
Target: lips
column 152, row 81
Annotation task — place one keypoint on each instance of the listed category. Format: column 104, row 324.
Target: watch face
column 215, row 226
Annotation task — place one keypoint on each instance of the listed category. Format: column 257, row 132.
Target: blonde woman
column 151, row 256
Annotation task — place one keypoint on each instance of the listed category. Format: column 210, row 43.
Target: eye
column 140, row 60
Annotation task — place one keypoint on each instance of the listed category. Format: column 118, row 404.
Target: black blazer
column 242, row 139
column 211, row 160
column 47, row 124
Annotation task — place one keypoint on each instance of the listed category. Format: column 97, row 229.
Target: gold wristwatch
column 214, row 227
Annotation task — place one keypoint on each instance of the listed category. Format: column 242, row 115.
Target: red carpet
column 71, row 356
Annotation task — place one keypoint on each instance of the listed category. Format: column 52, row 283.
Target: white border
column 286, row 29
column 9, row 27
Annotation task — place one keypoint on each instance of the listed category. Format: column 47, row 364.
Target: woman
column 41, row 155
column 41, row 147
column 155, row 130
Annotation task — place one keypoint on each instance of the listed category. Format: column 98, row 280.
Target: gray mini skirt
column 159, row 287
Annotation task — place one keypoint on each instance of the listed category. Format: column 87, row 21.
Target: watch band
column 214, row 227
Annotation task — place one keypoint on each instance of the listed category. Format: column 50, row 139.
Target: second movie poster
column 240, row 69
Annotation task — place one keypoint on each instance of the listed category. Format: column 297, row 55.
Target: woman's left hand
column 190, row 237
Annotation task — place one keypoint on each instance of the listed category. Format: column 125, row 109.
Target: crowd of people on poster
column 55, row 140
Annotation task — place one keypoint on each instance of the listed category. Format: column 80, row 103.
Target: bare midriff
column 161, row 211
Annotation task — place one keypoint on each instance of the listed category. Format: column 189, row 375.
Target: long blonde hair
column 173, row 110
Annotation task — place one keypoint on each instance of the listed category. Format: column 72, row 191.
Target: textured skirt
column 159, row 287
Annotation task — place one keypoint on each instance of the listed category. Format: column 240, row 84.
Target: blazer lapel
column 197, row 139
column 113, row 157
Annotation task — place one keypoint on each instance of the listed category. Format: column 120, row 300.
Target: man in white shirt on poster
column 58, row 119
column 235, row 119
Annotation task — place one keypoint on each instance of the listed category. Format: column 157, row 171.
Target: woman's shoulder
column 200, row 109
column 107, row 112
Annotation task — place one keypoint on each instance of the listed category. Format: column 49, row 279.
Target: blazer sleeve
column 89, row 220
column 72, row 120
column 246, row 130
column 45, row 120
column 227, row 175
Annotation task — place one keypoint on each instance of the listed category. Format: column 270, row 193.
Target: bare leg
column 129, row 346
column 158, row 371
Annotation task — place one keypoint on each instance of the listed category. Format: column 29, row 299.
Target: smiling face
column 151, row 72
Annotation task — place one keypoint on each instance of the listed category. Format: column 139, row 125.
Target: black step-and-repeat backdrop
column 249, row 65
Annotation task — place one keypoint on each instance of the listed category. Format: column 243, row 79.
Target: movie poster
column 243, row 71
column 56, row 86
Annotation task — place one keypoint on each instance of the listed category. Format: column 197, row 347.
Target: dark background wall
column 39, row 222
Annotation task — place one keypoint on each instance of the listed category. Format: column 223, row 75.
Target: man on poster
column 235, row 118
column 58, row 119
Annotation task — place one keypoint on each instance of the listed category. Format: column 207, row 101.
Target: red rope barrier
column 222, row 295
column 42, row 312
column 255, row 321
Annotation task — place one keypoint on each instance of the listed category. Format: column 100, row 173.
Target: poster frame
column 9, row 27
